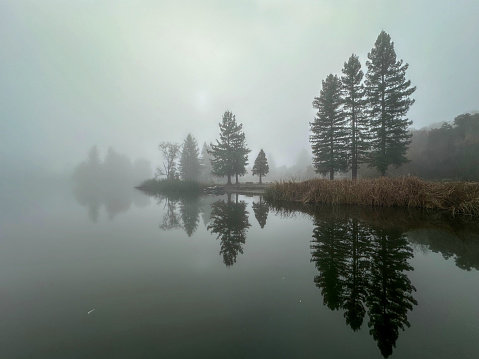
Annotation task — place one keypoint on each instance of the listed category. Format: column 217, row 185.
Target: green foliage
column 189, row 160
column 354, row 103
column 230, row 154
column 328, row 131
column 260, row 167
column 388, row 94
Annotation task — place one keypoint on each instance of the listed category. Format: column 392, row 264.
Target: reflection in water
column 230, row 223
column 362, row 266
column 362, row 255
column 115, row 198
column 180, row 212
column 110, row 183
column 261, row 211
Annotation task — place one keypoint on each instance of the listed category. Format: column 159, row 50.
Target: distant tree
column 189, row 159
column 230, row 154
column 388, row 94
column 205, row 164
column 328, row 131
column 260, row 167
column 241, row 152
column 354, row 101
column 170, row 152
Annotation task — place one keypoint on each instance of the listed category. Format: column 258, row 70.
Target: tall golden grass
column 457, row 197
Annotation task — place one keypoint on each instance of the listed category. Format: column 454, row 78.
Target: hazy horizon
column 129, row 75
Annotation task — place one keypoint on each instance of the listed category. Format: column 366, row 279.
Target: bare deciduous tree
column 170, row 152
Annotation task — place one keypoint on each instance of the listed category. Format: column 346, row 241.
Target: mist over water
column 215, row 275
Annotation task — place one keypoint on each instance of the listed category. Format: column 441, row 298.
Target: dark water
column 213, row 277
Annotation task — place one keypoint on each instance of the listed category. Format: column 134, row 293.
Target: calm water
column 218, row 278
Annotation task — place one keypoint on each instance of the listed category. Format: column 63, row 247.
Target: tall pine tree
column 230, row 154
column 388, row 94
column 189, row 159
column 328, row 131
column 353, row 108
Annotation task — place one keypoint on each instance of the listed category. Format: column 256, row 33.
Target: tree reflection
column 109, row 183
column 356, row 274
column 261, row 211
column 362, row 268
column 180, row 212
column 330, row 256
column 390, row 289
column 190, row 214
column 229, row 220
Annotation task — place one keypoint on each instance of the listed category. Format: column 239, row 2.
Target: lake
column 124, row 274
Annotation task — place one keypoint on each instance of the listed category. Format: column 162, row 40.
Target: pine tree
column 189, row 160
column 388, row 94
column 354, row 101
column 260, row 167
column 230, row 154
column 329, row 134
column 205, row 164
column 240, row 153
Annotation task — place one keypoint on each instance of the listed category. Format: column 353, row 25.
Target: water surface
column 219, row 277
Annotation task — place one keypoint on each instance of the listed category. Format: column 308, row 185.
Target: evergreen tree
column 329, row 134
column 189, row 160
column 240, row 153
column 354, row 102
column 388, row 94
column 205, row 164
column 260, row 167
column 230, row 154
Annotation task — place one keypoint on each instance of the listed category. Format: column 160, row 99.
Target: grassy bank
column 166, row 185
column 457, row 197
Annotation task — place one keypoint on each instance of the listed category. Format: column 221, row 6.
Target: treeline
column 360, row 130
column 448, row 152
column 228, row 157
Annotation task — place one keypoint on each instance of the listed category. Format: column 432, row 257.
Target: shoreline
column 456, row 197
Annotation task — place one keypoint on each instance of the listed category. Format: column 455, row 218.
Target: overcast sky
column 132, row 73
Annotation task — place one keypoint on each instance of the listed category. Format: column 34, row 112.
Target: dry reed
column 457, row 197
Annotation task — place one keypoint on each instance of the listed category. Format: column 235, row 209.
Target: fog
column 130, row 74
column 107, row 183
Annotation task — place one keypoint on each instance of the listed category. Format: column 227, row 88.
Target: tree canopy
column 230, row 153
column 328, row 131
column 388, row 94
column 189, row 160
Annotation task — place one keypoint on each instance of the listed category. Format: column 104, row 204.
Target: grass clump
column 457, row 197
column 172, row 185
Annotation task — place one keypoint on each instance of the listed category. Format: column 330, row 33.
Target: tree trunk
column 260, row 178
column 236, row 178
column 331, row 175
column 229, row 179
